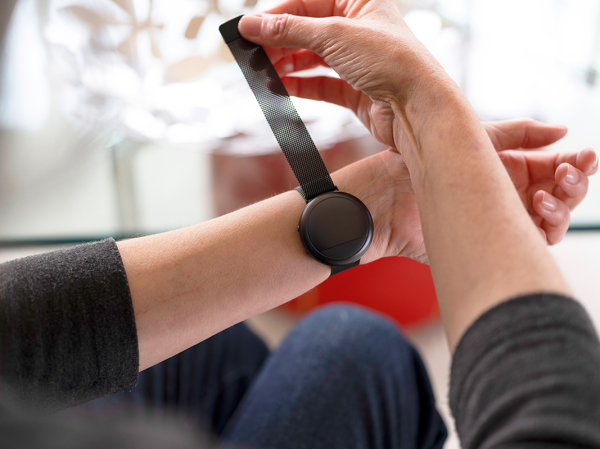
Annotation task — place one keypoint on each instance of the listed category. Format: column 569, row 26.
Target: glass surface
column 119, row 117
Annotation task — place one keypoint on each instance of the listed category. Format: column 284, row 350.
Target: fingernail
column 572, row 176
column 250, row 26
column 596, row 162
column 548, row 202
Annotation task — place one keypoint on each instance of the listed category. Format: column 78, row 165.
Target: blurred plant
column 96, row 20
column 154, row 70
column 194, row 26
column 114, row 57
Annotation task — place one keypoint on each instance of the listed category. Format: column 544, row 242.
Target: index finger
column 542, row 165
column 310, row 8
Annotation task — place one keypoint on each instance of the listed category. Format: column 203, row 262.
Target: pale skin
column 189, row 284
column 481, row 243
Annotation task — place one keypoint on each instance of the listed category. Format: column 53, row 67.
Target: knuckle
column 336, row 25
column 564, row 216
column 279, row 27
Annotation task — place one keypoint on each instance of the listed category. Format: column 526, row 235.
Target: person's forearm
column 189, row 284
column 482, row 245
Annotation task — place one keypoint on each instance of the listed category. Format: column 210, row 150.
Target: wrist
column 372, row 181
column 425, row 98
column 432, row 116
column 357, row 179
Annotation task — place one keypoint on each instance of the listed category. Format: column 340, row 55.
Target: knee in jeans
column 350, row 334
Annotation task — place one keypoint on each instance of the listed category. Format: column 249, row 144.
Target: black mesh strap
column 290, row 132
column 336, row 270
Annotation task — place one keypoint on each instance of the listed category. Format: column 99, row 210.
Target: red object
column 398, row 287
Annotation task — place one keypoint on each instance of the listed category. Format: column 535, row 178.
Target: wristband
column 335, row 228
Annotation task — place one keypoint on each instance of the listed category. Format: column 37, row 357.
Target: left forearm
column 188, row 285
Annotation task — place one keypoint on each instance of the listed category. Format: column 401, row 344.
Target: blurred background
column 120, row 117
column 128, row 117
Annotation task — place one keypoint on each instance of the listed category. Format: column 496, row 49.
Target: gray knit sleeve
column 67, row 328
column 527, row 374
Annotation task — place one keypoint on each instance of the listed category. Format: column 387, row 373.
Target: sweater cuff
column 525, row 371
column 67, row 327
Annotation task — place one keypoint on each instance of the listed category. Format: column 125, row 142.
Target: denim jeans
column 343, row 378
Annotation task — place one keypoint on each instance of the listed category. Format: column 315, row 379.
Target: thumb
column 285, row 30
column 524, row 133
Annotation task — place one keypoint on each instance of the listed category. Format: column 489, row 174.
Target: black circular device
column 336, row 228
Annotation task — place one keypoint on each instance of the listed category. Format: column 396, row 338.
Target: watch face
column 336, row 228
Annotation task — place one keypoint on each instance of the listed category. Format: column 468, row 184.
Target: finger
column 298, row 61
column 556, row 216
column 572, row 185
column 587, row 161
column 323, row 88
column 523, row 133
column 542, row 166
column 285, row 30
column 277, row 54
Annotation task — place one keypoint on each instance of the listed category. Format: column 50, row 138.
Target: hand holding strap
column 276, row 104
column 285, row 122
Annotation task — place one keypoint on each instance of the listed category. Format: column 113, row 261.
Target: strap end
column 229, row 30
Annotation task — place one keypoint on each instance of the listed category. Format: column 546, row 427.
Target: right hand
column 359, row 43
column 550, row 185
column 367, row 43
column 384, row 184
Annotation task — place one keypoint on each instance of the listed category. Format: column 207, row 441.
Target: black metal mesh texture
column 289, row 129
